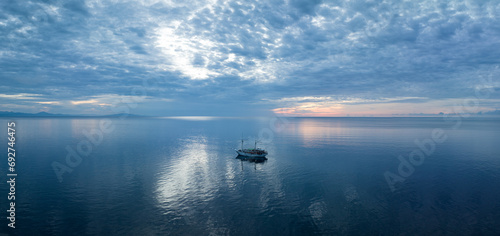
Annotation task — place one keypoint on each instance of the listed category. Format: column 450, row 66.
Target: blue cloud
column 204, row 54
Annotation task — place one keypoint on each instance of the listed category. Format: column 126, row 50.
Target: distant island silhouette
column 46, row 114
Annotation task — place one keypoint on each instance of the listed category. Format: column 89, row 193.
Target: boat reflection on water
column 260, row 160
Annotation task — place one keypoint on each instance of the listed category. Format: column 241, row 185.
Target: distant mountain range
column 46, row 114
column 490, row 113
column 478, row 114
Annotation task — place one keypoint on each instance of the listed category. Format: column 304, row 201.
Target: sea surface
column 323, row 176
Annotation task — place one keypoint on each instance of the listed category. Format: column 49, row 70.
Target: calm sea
column 323, row 176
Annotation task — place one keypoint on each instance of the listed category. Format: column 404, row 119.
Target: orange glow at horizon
column 318, row 113
column 310, row 110
column 375, row 110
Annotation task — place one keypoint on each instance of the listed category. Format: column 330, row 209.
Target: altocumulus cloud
column 292, row 57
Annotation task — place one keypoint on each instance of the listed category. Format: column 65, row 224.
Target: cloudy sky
column 236, row 58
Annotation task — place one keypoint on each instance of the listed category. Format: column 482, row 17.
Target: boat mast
column 255, row 145
column 242, row 144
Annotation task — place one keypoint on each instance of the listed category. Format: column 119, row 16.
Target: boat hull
column 244, row 154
